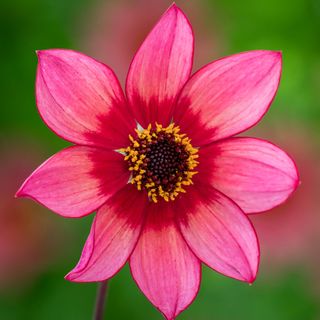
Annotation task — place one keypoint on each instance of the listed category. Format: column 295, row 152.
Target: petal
column 76, row 181
column 254, row 173
column 160, row 68
column 163, row 266
column 228, row 96
column 81, row 99
column 113, row 235
column 219, row 233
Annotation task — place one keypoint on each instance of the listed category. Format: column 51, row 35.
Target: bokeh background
column 37, row 248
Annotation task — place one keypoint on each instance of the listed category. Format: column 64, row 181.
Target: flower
column 170, row 183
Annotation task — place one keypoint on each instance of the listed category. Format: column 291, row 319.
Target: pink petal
column 160, row 68
column 254, row 173
column 113, row 235
column 81, row 99
column 228, row 96
column 76, row 181
column 163, row 266
column 219, row 233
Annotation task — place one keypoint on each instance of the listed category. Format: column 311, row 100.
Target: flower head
column 170, row 184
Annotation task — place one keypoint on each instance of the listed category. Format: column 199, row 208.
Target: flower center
column 161, row 160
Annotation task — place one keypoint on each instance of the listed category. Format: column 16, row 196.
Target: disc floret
column 162, row 161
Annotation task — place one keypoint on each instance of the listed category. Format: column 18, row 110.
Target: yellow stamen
column 148, row 159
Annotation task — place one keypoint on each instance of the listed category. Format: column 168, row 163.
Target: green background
column 35, row 289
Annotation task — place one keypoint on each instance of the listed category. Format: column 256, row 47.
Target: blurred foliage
column 290, row 26
column 284, row 297
column 26, row 26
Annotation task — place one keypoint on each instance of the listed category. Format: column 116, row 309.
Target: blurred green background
column 37, row 248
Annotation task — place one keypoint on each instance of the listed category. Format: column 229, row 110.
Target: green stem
column 100, row 300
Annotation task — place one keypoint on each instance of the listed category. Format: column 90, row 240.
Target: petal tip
column 41, row 53
column 274, row 56
column 18, row 194
column 277, row 59
column 70, row 276
column 297, row 178
column 173, row 6
column 275, row 53
column 73, row 276
column 46, row 53
column 278, row 55
column 252, row 279
column 297, row 182
column 21, row 191
column 172, row 12
column 248, row 278
column 176, row 10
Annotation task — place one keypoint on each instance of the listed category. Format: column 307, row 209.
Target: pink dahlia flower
column 170, row 183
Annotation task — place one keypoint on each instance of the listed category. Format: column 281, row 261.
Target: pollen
column 161, row 161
